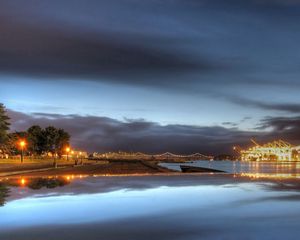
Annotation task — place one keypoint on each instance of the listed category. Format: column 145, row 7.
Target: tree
column 62, row 140
column 4, row 193
column 47, row 140
column 40, row 141
column 4, row 125
column 50, row 134
column 13, row 140
column 56, row 140
column 36, row 140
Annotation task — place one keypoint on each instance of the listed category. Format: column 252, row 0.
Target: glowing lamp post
column 67, row 151
column 80, row 157
column 23, row 182
column 22, row 144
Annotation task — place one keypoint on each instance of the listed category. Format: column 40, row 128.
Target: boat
column 188, row 169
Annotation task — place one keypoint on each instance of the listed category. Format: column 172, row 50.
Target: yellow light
column 277, row 150
column 22, row 143
column 68, row 149
column 23, row 181
column 72, row 152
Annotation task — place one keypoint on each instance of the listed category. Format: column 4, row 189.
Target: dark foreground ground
column 108, row 167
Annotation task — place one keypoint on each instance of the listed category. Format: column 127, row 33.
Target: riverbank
column 86, row 167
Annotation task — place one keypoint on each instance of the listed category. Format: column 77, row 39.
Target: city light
column 278, row 150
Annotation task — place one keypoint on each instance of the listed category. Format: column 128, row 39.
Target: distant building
column 273, row 151
column 76, row 154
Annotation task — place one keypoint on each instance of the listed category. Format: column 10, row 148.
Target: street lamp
column 80, row 158
column 68, row 150
column 22, row 144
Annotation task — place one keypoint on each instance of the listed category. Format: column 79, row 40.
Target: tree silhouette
column 4, row 193
column 4, row 127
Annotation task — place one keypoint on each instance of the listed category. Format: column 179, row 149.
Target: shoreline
column 114, row 167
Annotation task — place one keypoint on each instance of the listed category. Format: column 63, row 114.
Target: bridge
column 172, row 155
column 140, row 155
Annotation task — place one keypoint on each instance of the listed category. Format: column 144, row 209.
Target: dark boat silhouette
column 188, row 169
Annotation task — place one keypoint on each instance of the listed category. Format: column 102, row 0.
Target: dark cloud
column 246, row 119
column 283, row 107
column 106, row 134
column 230, row 124
column 213, row 48
column 287, row 128
column 52, row 52
column 169, row 43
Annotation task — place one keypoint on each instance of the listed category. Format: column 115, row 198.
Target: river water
column 189, row 207
column 238, row 167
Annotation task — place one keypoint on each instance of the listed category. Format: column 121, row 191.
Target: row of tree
column 39, row 140
column 4, row 126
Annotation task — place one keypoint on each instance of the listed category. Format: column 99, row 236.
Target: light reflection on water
column 178, row 207
column 238, row 167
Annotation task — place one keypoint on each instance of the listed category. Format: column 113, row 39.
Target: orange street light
column 23, row 181
column 68, row 149
column 22, row 144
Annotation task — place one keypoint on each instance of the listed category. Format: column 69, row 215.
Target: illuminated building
column 274, row 151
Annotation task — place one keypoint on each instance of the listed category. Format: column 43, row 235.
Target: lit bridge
column 140, row 155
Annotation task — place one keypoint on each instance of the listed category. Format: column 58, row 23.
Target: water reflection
column 283, row 169
column 37, row 182
column 4, row 193
column 155, row 207
column 278, row 176
column 31, row 183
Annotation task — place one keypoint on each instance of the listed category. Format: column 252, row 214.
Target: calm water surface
column 237, row 167
column 158, row 207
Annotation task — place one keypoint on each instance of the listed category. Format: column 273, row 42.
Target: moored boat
column 185, row 168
